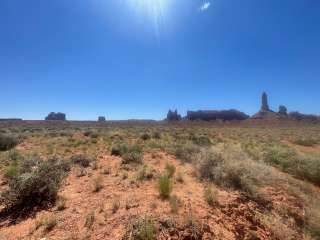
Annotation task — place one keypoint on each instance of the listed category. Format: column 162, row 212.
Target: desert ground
column 159, row 181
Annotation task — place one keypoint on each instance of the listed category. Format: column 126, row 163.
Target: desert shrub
column 279, row 156
column 277, row 227
column 145, row 173
column 15, row 155
column 145, row 136
column 94, row 135
column 91, row 134
column 81, row 171
column 133, row 154
column 313, row 224
column 305, row 168
column 97, row 184
column 82, row 160
column 186, row 152
column 209, row 166
column 143, row 229
column 36, row 182
column 61, row 203
column 210, row 196
column 201, row 140
column 164, row 186
column 306, row 142
column 235, row 171
column 156, row 135
column 175, row 203
column 119, row 149
column 170, row 170
column 11, row 171
column 7, row 142
column 49, row 223
column 87, row 133
column 95, row 165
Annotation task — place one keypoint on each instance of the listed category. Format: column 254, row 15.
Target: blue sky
column 138, row 58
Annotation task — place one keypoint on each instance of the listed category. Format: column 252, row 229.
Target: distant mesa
column 11, row 119
column 304, row 117
column 56, row 116
column 101, row 119
column 211, row 115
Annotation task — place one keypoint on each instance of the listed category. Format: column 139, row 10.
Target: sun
column 151, row 6
column 153, row 10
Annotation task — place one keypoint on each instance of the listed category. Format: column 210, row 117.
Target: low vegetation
column 303, row 167
column 210, row 196
column 7, row 142
column 129, row 153
column 143, row 229
column 97, row 184
column 164, row 186
column 261, row 182
column 81, row 160
column 34, row 182
column 170, row 170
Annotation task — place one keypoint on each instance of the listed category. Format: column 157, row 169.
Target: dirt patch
column 93, row 215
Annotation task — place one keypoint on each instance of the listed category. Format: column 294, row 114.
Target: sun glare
column 154, row 10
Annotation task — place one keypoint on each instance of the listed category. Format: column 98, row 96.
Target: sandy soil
column 233, row 218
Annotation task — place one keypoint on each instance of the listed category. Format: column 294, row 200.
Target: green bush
column 164, row 186
column 7, row 142
column 36, row 182
column 11, row 171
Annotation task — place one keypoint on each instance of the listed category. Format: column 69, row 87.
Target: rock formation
column 56, row 116
column 173, row 116
column 101, row 119
column 264, row 102
column 265, row 112
column 211, row 115
column 304, row 117
column 282, row 110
